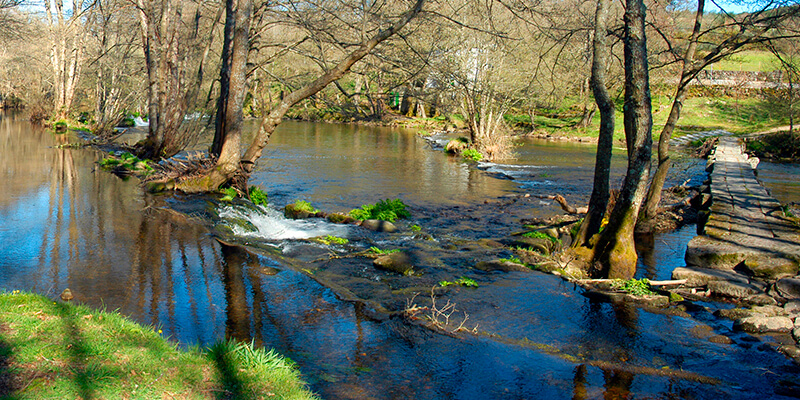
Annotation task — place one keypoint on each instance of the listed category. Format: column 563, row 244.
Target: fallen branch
column 564, row 205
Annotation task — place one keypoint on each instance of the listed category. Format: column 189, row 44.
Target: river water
column 66, row 223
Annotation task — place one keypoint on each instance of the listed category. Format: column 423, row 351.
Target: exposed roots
column 177, row 169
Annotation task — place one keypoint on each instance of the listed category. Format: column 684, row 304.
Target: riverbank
column 60, row 350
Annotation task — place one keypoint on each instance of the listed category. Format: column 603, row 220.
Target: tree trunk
column 223, row 174
column 615, row 253
column 688, row 72
column 600, row 191
column 273, row 119
column 233, row 86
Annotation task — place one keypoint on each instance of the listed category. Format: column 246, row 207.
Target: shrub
column 472, row 155
column 456, row 146
column 258, row 196
column 302, row 205
column 385, row 210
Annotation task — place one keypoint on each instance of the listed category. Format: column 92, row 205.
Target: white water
column 271, row 224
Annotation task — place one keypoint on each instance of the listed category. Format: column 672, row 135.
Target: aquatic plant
column 126, row 161
column 512, row 259
column 463, row 281
column 385, row 210
column 472, row 155
column 336, row 240
column 302, row 205
column 415, row 228
column 541, row 235
column 636, row 287
column 376, row 250
column 229, row 194
column 258, row 196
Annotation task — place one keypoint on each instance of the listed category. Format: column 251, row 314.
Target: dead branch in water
column 563, row 203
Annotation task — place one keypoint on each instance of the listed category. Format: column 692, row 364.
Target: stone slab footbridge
column 746, row 248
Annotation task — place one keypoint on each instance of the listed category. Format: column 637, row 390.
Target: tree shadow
column 9, row 382
column 78, row 352
column 232, row 385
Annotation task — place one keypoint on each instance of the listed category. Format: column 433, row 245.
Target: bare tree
column 175, row 59
column 66, row 56
column 615, row 253
column 230, row 167
column 598, row 202
column 728, row 35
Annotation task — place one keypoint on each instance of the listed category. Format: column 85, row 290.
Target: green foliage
column 126, row 161
column 302, row 205
column 376, row 250
column 258, row 196
column 636, row 287
column 472, row 155
column 385, row 210
column 463, row 281
column 512, row 259
column 228, row 194
column 541, row 235
column 336, row 240
column 415, row 228
column 573, row 230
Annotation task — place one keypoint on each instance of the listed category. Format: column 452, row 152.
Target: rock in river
column 379, row 226
column 761, row 324
column 396, row 262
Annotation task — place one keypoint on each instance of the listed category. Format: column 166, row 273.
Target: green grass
column 750, row 60
column 58, row 350
column 541, row 235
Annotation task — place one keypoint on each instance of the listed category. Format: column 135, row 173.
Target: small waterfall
column 270, row 224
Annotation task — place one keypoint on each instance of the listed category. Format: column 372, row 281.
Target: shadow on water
column 156, row 259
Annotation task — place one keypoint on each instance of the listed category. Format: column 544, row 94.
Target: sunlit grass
column 59, row 350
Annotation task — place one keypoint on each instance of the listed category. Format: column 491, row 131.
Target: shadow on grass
column 78, row 352
column 232, row 387
column 8, row 380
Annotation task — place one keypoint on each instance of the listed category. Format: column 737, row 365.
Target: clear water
column 65, row 223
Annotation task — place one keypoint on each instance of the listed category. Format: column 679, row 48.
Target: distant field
column 751, row 60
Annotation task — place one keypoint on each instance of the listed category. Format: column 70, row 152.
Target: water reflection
column 64, row 223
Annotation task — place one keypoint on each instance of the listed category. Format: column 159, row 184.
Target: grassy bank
column 740, row 115
column 58, row 350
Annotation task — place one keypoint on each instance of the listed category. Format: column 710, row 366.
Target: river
column 64, row 222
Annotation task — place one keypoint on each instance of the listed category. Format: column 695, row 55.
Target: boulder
column 734, row 313
column 696, row 276
column 761, row 324
column 379, row 226
column 339, row 218
column 761, row 299
column 789, row 287
column 770, row 311
column 396, row 262
column 733, row 289
column 792, row 308
column 720, row 339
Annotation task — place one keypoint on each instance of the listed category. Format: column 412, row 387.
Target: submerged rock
column 396, row 262
column 501, row 265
